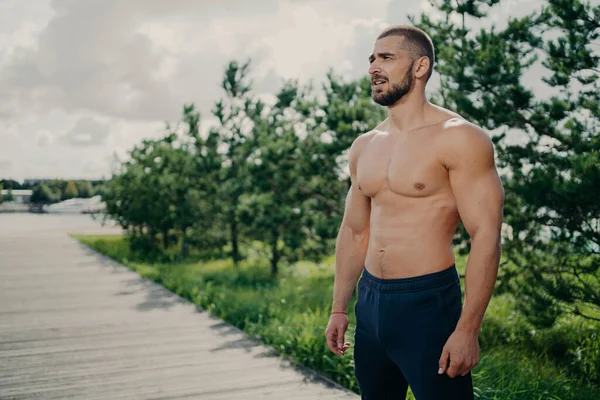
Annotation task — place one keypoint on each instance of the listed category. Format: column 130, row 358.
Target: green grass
column 290, row 314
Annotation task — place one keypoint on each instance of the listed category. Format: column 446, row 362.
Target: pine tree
column 548, row 148
column 234, row 115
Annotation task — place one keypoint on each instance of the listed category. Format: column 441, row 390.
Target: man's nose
column 374, row 69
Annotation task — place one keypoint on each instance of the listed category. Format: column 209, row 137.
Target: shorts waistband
column 412, row 284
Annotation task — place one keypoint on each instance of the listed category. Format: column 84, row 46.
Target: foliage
column 272, row 208
column 205, row 231
column 333, row 117
column 147, row 195
column 10, row 184
column 277, row 173
column 84, row 189
column 235, row 121
column 269, row 172
column 70, row 191
column 548, row 147
column 42, row 194
column 289, row 312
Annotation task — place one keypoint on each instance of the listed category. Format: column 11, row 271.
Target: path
column 76, row 325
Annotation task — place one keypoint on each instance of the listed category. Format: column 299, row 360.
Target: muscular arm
column 353, row 236
column 479, row 197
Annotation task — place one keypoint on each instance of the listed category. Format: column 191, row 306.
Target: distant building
column 19, row 196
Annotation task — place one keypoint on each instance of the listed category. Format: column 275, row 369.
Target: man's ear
column 423, row 66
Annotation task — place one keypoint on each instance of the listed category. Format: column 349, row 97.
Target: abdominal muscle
column 410, row 236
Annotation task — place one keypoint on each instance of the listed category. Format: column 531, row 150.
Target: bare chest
column 407, row 166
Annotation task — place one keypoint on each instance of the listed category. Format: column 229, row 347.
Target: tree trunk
column 165, row 235
column 235, row 252
column 275, row 255
column 184, row 245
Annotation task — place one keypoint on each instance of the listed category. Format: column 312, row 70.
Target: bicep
column 357, row 210
column 476, row 186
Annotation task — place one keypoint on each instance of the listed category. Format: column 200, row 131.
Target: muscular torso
column 413, row 213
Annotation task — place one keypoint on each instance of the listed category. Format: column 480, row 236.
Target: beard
column 395, row 92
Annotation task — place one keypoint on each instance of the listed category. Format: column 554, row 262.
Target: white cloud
column 81, row 81
column 44, row 138
column 87, row 132
column 306, row 40
column 5, row 166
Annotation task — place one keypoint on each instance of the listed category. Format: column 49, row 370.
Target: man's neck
column 408, row 113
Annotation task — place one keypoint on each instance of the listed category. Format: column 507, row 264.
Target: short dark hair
column 418, row 41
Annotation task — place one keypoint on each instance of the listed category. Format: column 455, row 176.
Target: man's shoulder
column 455, row 126
column 366, row 137
column 464, row 142
column 458, row 132
column 361, row 140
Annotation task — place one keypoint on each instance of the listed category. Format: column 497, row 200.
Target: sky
column 82, row 82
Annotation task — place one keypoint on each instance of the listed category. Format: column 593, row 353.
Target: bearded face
column 388, row 93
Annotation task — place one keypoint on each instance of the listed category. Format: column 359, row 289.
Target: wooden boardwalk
column 76, row 325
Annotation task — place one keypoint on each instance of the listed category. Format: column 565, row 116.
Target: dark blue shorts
column 401, row 328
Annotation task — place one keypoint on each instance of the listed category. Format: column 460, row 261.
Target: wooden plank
column 76, row 325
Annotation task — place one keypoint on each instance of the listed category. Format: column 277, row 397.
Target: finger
column 331, row 347
column 454, row 368
column 468, row 368
column 331, row 341
column 334, row 349
column 443, row 363
column 331, row 344
column 340, row 338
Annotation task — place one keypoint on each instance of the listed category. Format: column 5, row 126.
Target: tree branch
column 587, row 288
column 576, row 311
column 333, row 206
column 524, row 119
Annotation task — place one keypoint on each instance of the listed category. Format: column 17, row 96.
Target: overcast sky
column 81, row 80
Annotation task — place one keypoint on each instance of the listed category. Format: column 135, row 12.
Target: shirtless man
column 413, row 178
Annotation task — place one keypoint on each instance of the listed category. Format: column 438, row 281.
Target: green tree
column 272, row 207
column 70, row 190
column 164, row 190
column 208, row 232
column 84, row 189
column 42, row 194
column 333, row 118
column 553, row 171
column 148, row 194
column 58, row 187
column 10, row 184
column 296, row 182
column 235, row 118
column 98, row 188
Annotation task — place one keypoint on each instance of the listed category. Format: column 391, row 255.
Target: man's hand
column 336, row 328
column 462, row 348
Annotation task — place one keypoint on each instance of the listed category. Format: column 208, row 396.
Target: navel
column 419, row 186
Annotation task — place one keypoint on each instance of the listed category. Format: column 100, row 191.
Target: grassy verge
column 291, row 311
